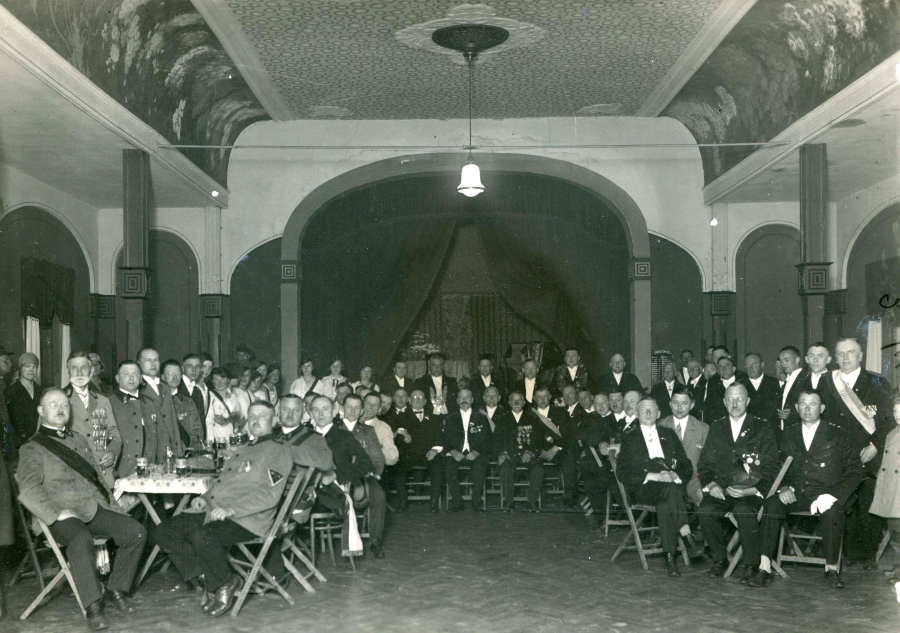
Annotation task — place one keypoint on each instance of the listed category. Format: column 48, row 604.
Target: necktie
column 84, row 395
column 678, row 430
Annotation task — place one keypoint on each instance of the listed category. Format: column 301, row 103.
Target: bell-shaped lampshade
column 470, row 183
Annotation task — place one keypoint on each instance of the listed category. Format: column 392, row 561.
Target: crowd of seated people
column 706, row 443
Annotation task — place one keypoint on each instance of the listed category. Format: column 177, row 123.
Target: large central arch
column 608, row 192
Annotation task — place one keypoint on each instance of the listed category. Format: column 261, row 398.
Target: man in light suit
column 692, row 433
column 85, row 403
column 159, row 406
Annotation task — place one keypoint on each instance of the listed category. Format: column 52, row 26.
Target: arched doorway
column 636, row 240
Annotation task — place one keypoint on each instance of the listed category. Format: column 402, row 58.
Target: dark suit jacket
column 390, row 385
column 792, row 398
column 629, row 382
column 634, row 463
column 503, row 435
column 591, row 433
column 875, row 391
column 562, row 379
column 660, row 393
column 546, row 437
column 766, row 400
column 525, row 434
column 351, row 461
column 476, row 384
column 698, row 392
column 196, row 396
column 160, row 410
column 425, row 434
column 450, row 387
column 479, row 434
column 830, row 466
column 138, row 440
column 519, row 386
column 714, row 404
column 721, row 455
column 22, row 410
column 821, row 387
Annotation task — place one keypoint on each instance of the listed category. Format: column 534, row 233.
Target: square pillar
column 835, row 308
column 134, row 275
column 815, row 241
column 103, row 327
column 215, row 329
column 290, row 320
column 639, row 274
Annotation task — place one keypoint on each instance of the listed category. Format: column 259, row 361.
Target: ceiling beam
column 242, row 52
column 36, row 56
column 701, row 47
column 875, row 84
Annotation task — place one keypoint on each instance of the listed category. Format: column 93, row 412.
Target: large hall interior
column 547, row 228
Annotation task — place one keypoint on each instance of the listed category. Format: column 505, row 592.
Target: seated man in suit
column 616, row 400
column 371, row 407
column 824, row 472
column 467, row 436
column 240, row 505
column 653, row 468
column 90, row 411
column 397, row 379
column 662, row 391
column 61, row 484
column 692, row 433
column 515, row 444
column 485, row 379
column 554, row 436
column 860, row 402
column 571, row 373
column 530, row 381
column 424, row 449
column 763, row 391
column 814, row 376
column 789, row 359
column 439, row 389
column 629, row 402
column 739, row 450
column 595, row 470
column 618, row 379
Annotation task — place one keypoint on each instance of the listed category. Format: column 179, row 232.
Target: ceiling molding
column 710, row 36
column 242, row 52
column 26, row 48
column 866, row 90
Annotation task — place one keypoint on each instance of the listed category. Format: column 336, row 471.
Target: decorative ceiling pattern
column 158, row 59
column 781, row 61
column 342, row 59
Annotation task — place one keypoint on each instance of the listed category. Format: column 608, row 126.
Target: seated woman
column 654, row 469
column 272, row 384
column 241, row 389
column 254, row 388
column 307, row 382
column 365, row 380
column 224, row 406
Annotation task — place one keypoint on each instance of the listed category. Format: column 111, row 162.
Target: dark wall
column 172, row 317
column 677, row 298
column 33, row 232
column 769, row 311
column 256, row 302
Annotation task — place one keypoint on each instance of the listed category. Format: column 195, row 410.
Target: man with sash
column 552, row 441
column 88, row 407
column 62, row 485
column 859, row 400
column 467, row 437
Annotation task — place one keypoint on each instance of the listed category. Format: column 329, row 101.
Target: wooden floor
column 491, row 572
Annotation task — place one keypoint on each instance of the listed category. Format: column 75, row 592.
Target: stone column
column 723, row 329
column 814, row 240
column 835, row 308
column 639, row 274
column 103, row 326
column 719, row 304
column 290, row 320
column 134, row 276
column 215, row 331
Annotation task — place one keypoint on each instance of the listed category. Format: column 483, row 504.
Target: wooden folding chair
column 790, row 537
column 293, row 547
column 637, row 527
column 734, row 548
column 885, row 541
column 64, row 572
column 30, row 566
column 607, row 521
column 251, row 566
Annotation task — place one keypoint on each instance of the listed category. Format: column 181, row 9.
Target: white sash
column 548, row 422
column 853, row 402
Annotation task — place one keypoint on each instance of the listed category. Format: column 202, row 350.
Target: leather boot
column 672, row 566
column 118, row 600
column 224, row 596
column 718, row 569
column 94, row 615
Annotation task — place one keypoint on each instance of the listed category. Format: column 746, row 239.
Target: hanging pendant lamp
column 470, row 39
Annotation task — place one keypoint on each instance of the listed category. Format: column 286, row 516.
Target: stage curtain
column 48, row 290
column 365, row 280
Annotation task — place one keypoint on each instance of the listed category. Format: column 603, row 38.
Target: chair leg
column 883, row 545
column 331, row 546
column 47, row 589
column 352, row 563
column 684, row 552
column 306, row 561
column 296, row 574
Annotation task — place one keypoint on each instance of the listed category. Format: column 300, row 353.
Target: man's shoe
column 695, row 549
column 434, row 508
column 118, row 600
column 476, row 507
column 403, row 507
column 224, row 596
column 870, row 565
column 672, row 566
column 718, row 569
column 207, row 601
column 94, row 616
column 533, row 508
column 760, row 578
column 376, row 550
column 833, row 579
column 747, row 572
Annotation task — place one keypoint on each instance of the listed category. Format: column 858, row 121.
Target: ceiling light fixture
column 470, row 39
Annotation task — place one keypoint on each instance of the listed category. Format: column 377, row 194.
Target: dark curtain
column 368, row 269
column 47, row 290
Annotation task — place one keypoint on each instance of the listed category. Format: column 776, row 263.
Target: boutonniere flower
column 181, row 416
column 550, row 439
column 153, row 417
column 872, row 409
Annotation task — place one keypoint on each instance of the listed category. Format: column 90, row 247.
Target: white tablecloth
column 163, row 484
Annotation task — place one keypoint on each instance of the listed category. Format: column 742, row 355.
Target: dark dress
column 22, row 409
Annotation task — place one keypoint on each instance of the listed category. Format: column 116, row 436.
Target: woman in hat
column 23, row 398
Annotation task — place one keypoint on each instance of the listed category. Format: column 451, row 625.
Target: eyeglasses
column 53, row 406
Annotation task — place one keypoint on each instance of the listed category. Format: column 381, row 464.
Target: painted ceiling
column 157, row 58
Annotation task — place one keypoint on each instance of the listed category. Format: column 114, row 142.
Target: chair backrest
column 612, row 462
column 290, row 497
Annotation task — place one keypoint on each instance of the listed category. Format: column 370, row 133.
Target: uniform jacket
column 766, row 400
column 562, row 379
column 874, row 391
column 80, row 423
column 830, row 466
column 476, row 384
column 188, row 416
column 368, row 438
column 695, row 433
column 634, row 461
column 161, row 411
column 47, row 486
column 660, row 393
column 503, row 432
column 386, row 440
column 629, row 382
column 138, row 440
column 199, row 399
column 546, row 437
column 721, row 455
column 22, row 410
column 253, row 480
column 351, row 461
column 887, row 489
column 479, row 433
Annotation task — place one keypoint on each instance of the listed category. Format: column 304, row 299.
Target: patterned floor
column 505, row 573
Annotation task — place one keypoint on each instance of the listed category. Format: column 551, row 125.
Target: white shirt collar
column 529, row 381
column 756, row 382
column 573, row 371
column 618, row 377
column 571, row 407
column 809, row 433
column 728, row 383
column 349, row 425
column 670, row 385
column 518, row 416
column 190, row 384
column 651, row 439
column 486, row 380
column 81, row 390
column 465, row 415
column 400, row 381
column 134, row 394
column 153, row 382
column 851, row 378
column 544, row 412
column 490, row 411
column 324, row 430
column 620, row 415
column 793, row 375
column 736, row 426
